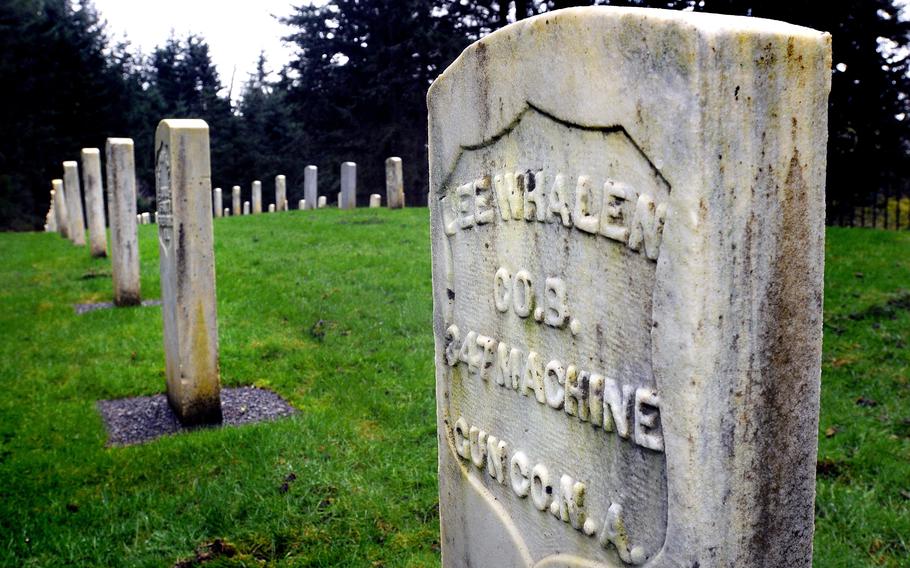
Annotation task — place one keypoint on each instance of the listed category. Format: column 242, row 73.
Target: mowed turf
column 332, row 310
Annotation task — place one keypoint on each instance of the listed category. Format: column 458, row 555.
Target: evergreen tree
column 360, row 84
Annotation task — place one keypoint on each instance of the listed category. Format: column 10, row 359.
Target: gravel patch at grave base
column 144, row 418
column 86, row 308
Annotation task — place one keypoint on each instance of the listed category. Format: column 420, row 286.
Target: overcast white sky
column 236, row 30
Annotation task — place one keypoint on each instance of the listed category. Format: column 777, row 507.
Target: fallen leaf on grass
column 830, row 432
column 839, row 362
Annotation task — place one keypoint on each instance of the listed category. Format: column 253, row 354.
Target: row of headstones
column 185, row 201
column 347, row 197
column 67, row 217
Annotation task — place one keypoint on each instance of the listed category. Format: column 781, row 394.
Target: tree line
column 355, row 91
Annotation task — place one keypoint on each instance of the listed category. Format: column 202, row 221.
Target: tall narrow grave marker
column 310, row 174
column 348, row 197
column 121, row 196
column 74, row 202
column 257, row 197
column 183, row 176
column 94, row 201
column 281, row 193
column 394, row 183
column 60, row 210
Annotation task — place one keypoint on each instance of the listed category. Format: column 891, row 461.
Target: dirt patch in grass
column 143, row 418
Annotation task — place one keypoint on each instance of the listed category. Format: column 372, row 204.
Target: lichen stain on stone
column 790, row 310
column 206, row 374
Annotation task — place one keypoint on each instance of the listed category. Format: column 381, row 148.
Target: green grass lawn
column 333, row 311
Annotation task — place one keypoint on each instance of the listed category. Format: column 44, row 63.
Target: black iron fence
column 889, row 209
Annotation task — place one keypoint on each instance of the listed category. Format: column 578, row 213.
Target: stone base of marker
column 375, row 201
column 142, row 419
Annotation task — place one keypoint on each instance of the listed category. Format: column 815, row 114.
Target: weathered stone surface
column 121, row 197
column 281, row 193
column 322, row 202
column 257, row 197
column 74, row 203
column 310, row 176
column 187, row 259
column 94, row 201
column 627, row 212
column 348, row 197
column 235, row 200
column 301, row 205
column 217, row 202
column 394, row 183
column 60, row 210
column 271, row 207
column 375, row 200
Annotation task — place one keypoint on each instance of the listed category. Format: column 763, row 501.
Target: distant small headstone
column 375, row 201
column 146, row 218
column 94, row 201
column 322, row 202
column 281, row 193
column 74, row 203
column 246, row 207
column 257, row 197
column 394, row 183
column 217, row 202
column 310, row 174
column 227, row 212
column 627, row 219
column 348, row 199
column 60, row 209
column 301, row 205
column 121, row 196
column 187, row 260
column 271, row 207
column 235, row 200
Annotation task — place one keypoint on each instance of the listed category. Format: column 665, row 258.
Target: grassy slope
column 333, row 311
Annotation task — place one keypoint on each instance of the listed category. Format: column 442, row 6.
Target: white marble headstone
column 310, row 174
column 94, row 201
column 347, row 199
column 74, row 211
column 627, row 215
column 121, row 195
column 187, row 261
column 394, row 183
